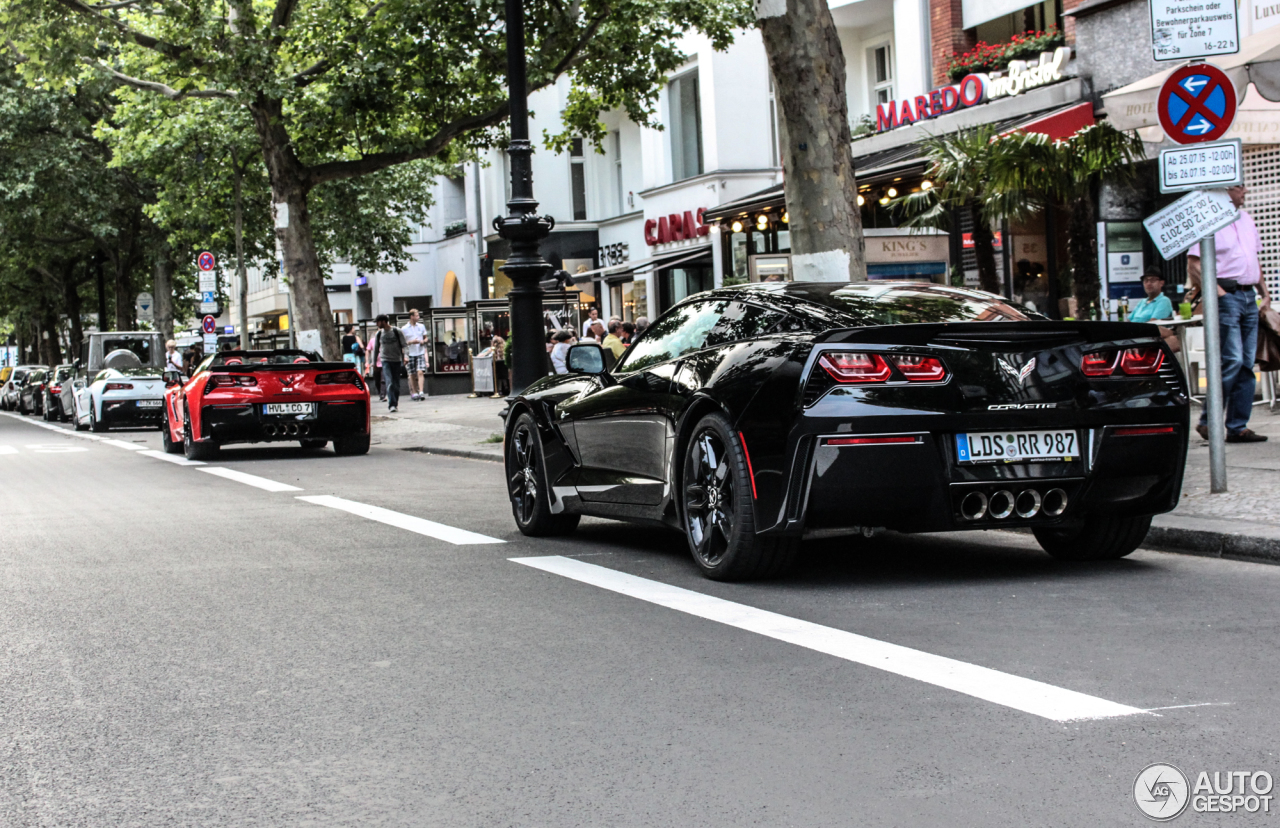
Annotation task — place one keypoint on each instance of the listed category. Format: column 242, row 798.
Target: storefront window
column 738, row 257
column 450, row 340
column 678, row 282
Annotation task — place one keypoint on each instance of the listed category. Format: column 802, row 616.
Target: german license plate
column 1016, row 446
column 149, row 403
column 289, row 408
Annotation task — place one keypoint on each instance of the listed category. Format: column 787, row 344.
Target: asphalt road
column 183, row 648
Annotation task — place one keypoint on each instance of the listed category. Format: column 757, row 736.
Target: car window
column 742, row 321
column 140, row 347
column 680, row 331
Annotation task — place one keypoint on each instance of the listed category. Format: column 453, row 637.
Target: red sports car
column 265, row 397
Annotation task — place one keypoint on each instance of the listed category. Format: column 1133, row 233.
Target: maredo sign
column 675, row 227
column 974, row 89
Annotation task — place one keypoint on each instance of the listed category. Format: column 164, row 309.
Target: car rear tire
column 313, row 444
column 94, row 425
column 350, row 446
column 718, row 509
column 193, row 450
column 526, row 474
column 170, row 445
column 1097, row 539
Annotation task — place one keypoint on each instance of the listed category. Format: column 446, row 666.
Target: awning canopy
column 662, row 259
column 1257, row 63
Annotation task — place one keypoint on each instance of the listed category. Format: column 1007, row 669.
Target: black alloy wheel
column 94, row 425
column 1095, row 539
column 170, row 445
column 719, row 509
column 530, row 505
column 190, row 448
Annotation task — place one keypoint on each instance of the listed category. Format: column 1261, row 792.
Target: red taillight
column 1138, row 431
column 855, row 367
column 340, row 378
column 55, row 390
column 1099, row 363
column 119, row 386
column 229, row 381
column 919, row 368
column 870, row 441
column 1140, row 361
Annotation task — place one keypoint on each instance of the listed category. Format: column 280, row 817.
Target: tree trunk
column 242, row 276
column 821, row 191
column 50, row 348
column 290, row 186
column 162, row 292
column 1082, row 249
column 71, row 300
column 984, row 247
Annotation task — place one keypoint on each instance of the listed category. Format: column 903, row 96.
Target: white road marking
column 8, row 450
column 1027, row 695
column 122, row 444
column 176, row 459
column 70, row 432
column 58, row 448
column 401, row 521
column 250, row 479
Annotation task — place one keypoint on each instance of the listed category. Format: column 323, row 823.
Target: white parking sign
column 1190, row 219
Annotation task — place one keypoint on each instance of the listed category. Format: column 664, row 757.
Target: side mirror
column 586, row 358
column 172, row 378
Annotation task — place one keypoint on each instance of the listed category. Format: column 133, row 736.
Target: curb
column 1214, row 544
column 448, row 452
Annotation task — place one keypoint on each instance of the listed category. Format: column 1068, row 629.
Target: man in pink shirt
column 1240, row 283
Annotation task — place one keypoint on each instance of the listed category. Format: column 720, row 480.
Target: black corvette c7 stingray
column 749, row 417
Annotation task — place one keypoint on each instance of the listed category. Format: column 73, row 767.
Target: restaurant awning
column 1257, row 63
column 663, row 259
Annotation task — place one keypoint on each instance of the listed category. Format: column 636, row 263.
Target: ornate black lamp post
column 522, row 227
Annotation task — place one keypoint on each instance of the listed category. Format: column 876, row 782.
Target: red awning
column 1059, row 124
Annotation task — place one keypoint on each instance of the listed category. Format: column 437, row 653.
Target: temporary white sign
column 308, row 340
column 146, row 308
column 1200, row 166
column 1186, row 29
column 1189, row 219
column 281, row 209
column 210, row 343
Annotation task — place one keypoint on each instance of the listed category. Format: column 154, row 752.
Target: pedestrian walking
column 352, row 348
column 373, row 363
column 499, row 345
column 415, row 334
column 172, row 359
column 1240, row 284
column 391, row 350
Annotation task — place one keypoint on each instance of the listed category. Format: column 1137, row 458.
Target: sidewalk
column 1244, row 522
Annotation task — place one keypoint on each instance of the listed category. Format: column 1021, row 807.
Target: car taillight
column 229, row 381
column 1099, row 363
column 855, row 367
column 1140, row 361
column 340, row 378
column 55, row 390
column 119, row 386
column 920, row 368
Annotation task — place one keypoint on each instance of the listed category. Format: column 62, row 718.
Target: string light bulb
column 926, row 184
column 762, row 221
column 786, row 217
column 861, row 200
column 884, row 200
column 736, row 227
column 891, row 192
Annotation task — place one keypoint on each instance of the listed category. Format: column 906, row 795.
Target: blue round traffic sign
column 206, row 261
column 1197, row 103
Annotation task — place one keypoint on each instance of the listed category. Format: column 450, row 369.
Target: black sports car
column 750, row 417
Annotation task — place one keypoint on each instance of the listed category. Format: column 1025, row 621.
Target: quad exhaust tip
column 1001, row 504
column 1027, row 504
column 974, row 506
column 1055, row 502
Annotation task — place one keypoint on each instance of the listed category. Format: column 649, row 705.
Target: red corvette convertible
column 265, row 397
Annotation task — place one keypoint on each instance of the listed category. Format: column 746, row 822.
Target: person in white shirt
column 172, row 359
column 415, row 361
column 560, row 352
column 593, row 316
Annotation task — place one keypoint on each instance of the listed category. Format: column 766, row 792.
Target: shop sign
column 975, row 89
column 675, row 227
column 966, row 240
column 614, row 254
column 886, row 249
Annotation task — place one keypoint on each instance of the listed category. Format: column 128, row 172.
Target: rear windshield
column 140, row 347
column 908, row 304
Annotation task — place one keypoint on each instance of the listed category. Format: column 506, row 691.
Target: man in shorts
column 415, row 363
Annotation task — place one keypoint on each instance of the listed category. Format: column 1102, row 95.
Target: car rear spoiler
column 281, row 366
column 993, row 334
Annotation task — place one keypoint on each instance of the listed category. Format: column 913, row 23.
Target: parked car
column 31, row 392
column 130, row 396
column 9, row 392
column 750, row 417
column 265, row 397
column 52, row 406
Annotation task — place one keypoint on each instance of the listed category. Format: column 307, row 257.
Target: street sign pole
column 1213, row 366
